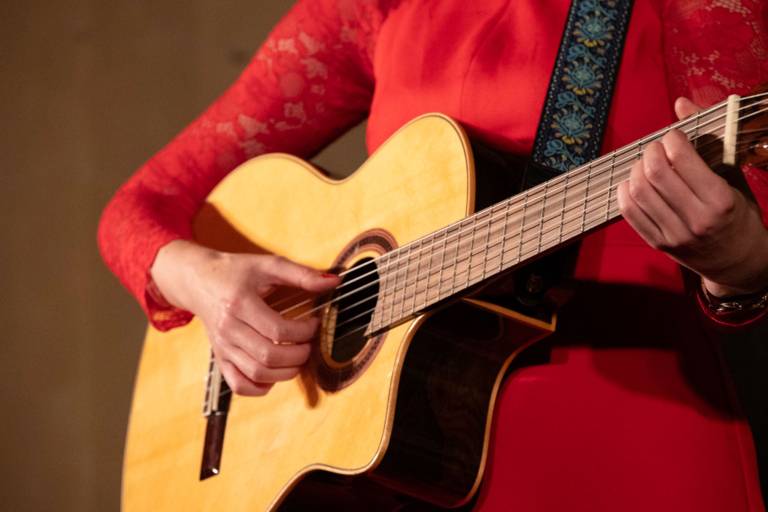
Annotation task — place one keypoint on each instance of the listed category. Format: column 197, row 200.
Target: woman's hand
column 679, row 205
column 253, row 345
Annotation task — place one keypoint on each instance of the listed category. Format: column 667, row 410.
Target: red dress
column 605, row 427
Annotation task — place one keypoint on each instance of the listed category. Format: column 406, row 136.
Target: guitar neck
column 543, row 218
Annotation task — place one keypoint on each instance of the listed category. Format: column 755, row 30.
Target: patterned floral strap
column 579, row 96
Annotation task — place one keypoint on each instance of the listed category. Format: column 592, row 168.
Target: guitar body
column 386, row 414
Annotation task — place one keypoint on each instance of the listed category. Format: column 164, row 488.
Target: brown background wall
column 89, row 90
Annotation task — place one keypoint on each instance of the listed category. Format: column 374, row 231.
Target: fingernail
column 328, row 275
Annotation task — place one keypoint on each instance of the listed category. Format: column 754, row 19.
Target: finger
column 705, row 184
column 268, row 322
column 264, row 351
column 671, row 226
column 288, row 273
column 669, row 185
column 636, row 218
column 239, row 383
column 256, row 372
column 685, row 107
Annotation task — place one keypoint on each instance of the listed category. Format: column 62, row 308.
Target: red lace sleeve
column 310, row 81
column 715, row 48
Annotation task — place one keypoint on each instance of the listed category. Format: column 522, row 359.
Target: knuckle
column 231, row 302
column 703, row 228
column 676, row 154
column 725, row 205
column 265, row 356
column 654, row 171
column 256, row 373
column 276, row 261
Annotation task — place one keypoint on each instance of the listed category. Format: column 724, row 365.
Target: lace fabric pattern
column 716, row 47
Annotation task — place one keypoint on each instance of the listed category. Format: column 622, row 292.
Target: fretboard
column 508, row 234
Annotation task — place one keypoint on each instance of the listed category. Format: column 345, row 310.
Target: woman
column 329, row 64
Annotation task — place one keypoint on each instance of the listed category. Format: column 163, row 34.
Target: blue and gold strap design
column 578, row 99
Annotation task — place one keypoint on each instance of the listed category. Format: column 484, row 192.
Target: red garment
column 486, row 63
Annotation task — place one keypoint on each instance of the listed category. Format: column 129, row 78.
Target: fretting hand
column 680, row 206
column 253, row 345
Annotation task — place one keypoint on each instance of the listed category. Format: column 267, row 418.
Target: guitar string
column 521, row 233
column 521, row 259
column 476, row 221
column 421, row 285
column 637, row 145
column 392, row 256
column 596, row 162
column 461, row 231
column 394, row 259
column 543, row 220
column 462, row 254
column 520, row 256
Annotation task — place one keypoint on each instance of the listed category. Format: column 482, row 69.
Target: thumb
column 289, row 273
column 685, row 107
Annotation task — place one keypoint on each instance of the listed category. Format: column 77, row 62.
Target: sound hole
column 355, row 300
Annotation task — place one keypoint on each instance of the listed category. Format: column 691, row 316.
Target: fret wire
column 522, row 227
column 566, row 185
column 455, row 259
column 543, row 212
column 487, row 239
column 472, row 236
column 443, row 267
column 429, row 273
column 610, row 184
column 442, row 262
column 419, row 274
column 503, row 235
column 416, row 282
column 586, row 200
column 394, row 291
column 482, row 250
column 406, row 265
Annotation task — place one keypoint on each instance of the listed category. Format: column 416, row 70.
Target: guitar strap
column 574, row 116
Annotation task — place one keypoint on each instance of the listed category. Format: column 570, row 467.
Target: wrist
column 176, row 269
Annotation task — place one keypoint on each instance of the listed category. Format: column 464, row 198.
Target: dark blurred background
column 91, row 89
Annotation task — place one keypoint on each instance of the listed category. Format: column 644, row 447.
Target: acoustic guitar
column 399, row 392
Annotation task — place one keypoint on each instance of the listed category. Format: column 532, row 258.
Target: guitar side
column 419, row 181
